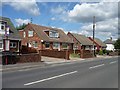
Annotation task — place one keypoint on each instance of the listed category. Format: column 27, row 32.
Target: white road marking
column 26, row 69
column 96, row 66
column 113, row 62
column 46, row 79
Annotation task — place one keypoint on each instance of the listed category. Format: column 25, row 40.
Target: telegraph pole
column 93, row 35
column 31, row 20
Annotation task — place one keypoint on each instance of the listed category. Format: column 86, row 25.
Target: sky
column 75, row 17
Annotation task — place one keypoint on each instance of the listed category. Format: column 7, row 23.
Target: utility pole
column 31, row 20
column 93, row 36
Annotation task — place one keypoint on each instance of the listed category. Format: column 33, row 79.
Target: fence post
column 40, row 55
column 81, row 55
column 67, row 55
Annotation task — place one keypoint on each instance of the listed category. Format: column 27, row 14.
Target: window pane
column 13, row 44
column 64, row 45
column 56, row 45
column 10, row 44
column 47, row 44
column 54, row 34
column 2, row 27
column 30, row 33
column 35, row 44
column 1, row 45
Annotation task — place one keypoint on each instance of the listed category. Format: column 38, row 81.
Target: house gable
column 13, row 33
column 31, row 40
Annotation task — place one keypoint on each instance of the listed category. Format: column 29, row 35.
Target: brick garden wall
column 33, row 57
column 55, row 54
column 86, row 54
column 116, row 53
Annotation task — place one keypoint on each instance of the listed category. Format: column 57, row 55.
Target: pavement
column 99, row 73
column 49, row 61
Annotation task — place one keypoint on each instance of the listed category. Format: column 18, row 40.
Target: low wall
column 86, row 54
column 33, row 57
column 55, row 54
column 114, row 53
column 10, row 58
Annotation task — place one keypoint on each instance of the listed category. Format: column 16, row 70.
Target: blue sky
column 70, row 16
column 45, row 15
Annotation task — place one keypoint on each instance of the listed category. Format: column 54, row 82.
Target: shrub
column 74, row 55
column 101, row 52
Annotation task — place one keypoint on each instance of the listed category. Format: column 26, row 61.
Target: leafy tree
column 21, row 26
column 101, row 52
column 117, row 44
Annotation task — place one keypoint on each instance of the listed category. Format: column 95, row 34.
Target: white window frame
column 30, row 33
column 12, row 44
column 55, row 35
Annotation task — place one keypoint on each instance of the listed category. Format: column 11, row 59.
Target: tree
column 21, row 26
column 117, row 44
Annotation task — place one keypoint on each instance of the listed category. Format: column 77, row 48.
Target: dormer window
column 53, row 34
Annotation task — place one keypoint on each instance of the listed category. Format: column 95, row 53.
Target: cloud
column 105, row 29
column 100, row 0
column 59, row 13
column 20, row 21
column 53, row 18
column 106, row 14
column 30, row 7
column 58, row 10
column 84, row 13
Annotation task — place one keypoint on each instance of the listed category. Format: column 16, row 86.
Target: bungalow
column 42, row 38
column 110, row 44
column 99, row 44
column 81, row 42
column 9, row 36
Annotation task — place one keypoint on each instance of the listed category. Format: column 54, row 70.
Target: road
column 92, row 74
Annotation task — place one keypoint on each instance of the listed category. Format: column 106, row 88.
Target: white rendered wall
column 110, row 47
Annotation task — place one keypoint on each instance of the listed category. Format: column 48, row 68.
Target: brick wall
column 55, row 54
column 33, row 57
column 27, row 50
column 114, row 53
column 86, row 54
column 22, row 58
